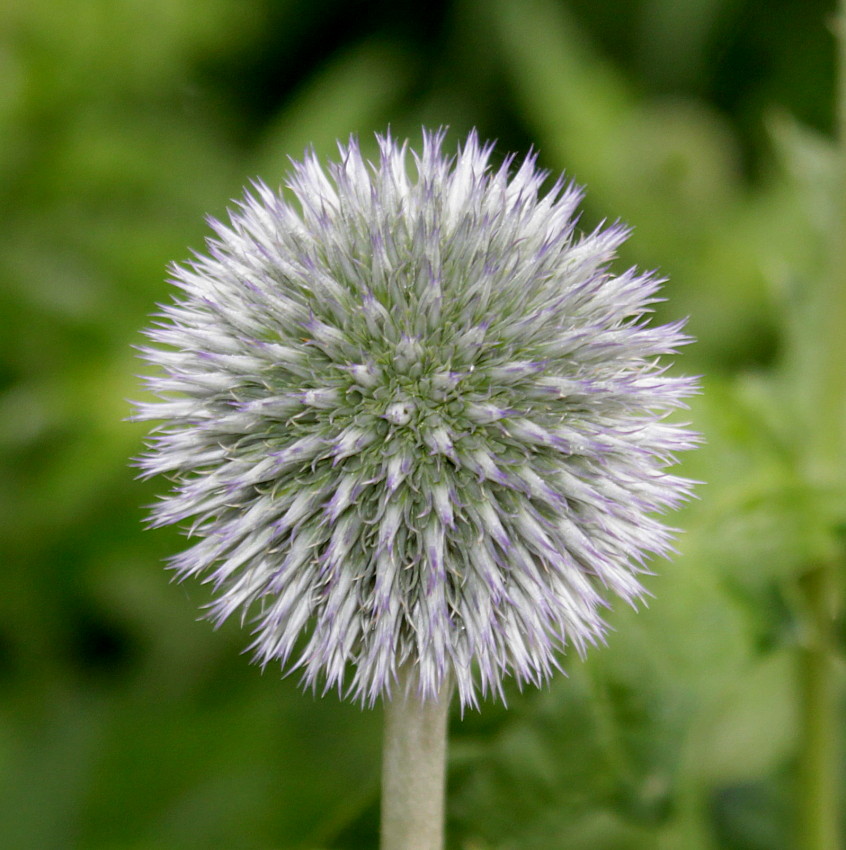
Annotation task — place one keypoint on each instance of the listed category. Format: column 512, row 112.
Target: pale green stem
column 414, row 769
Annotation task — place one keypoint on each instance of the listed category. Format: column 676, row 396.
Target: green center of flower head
column 411, row 392
column 415, row 419
column 411, row 387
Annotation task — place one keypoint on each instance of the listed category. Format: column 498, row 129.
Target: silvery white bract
column 416, row 421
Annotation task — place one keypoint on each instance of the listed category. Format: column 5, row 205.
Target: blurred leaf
column 754, row 728
column 356, row 90
column 764, row 519
column 668, row 167
column 753, row 816
column 674, row 38
column 810, row 160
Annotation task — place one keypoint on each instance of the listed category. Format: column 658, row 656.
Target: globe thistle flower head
column 415, row 421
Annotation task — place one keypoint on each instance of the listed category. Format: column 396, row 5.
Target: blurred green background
column 127, row 723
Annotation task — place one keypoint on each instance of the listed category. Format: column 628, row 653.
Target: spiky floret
column 416, row 420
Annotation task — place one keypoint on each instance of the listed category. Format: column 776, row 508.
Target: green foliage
column 124, row 723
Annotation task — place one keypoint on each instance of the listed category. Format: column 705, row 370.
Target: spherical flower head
column 415, row 420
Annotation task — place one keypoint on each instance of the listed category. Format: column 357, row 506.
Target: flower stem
column 414, row 769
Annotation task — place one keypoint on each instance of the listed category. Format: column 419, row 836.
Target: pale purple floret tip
column 415, row 420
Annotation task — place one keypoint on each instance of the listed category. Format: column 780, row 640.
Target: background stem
column 820, row 760
column 414, row 769
column 819, row 799
column 831, row 404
